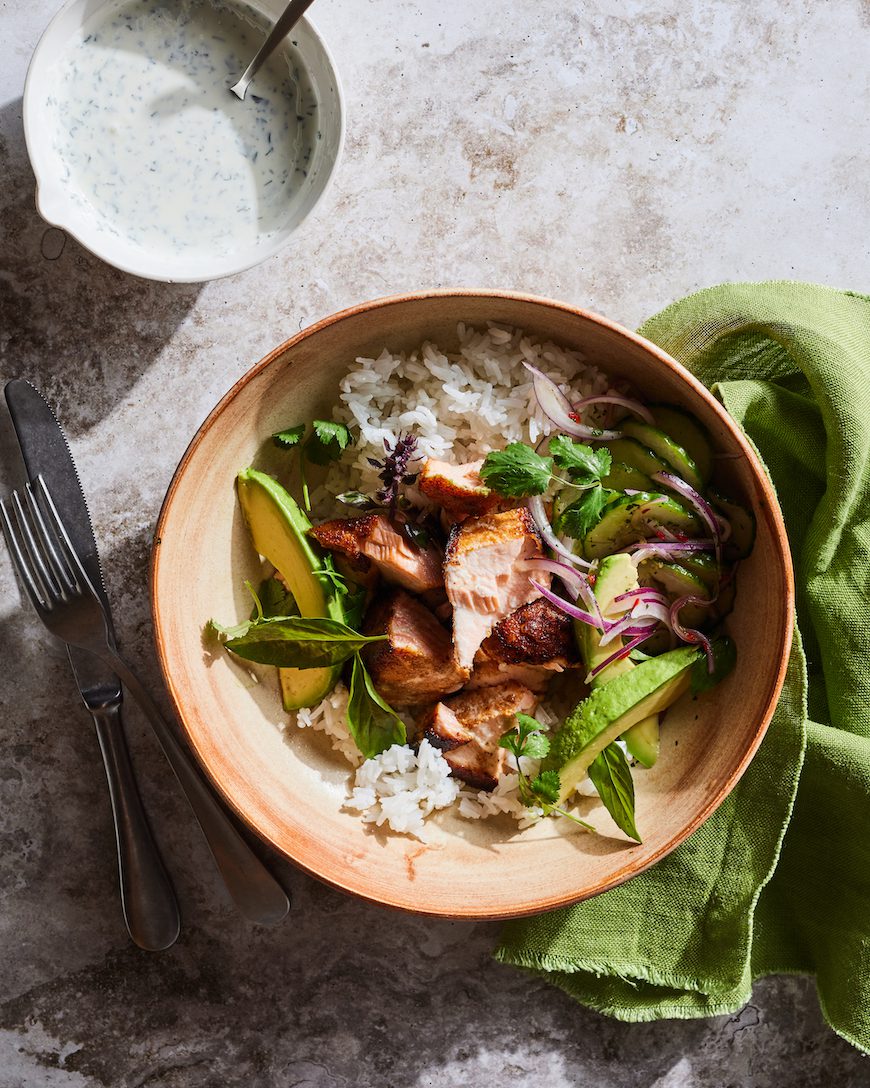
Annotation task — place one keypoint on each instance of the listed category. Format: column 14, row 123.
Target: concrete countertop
column 617, row 155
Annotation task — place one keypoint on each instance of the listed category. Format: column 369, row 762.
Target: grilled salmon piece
column 537, row 633
column 415, row 664
column 374, row 539
column 440, row 726
column 486, row 715
column 458, row 489
column 485, row 575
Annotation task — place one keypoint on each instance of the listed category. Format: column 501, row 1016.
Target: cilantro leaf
column 327, row 441
column 275, row 599
column 372, row 723
column 286, row 440
column 546, row 787
column 527, row 739
column 611, row 776
column 583, row 464
column 516, row 471
column 584, row 513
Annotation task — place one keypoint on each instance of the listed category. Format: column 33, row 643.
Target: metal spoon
column 290, row 17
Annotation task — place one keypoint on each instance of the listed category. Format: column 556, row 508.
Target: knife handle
column 147, row 898
column 256, row 893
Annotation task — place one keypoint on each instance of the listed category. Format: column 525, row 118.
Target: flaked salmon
column 374, row 539
column 485, row 575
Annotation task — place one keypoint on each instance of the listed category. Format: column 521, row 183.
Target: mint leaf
column 517, row 471
column 286, row 440
column 584, row 513
column 611, row 776
column 372, row 723
column 583, row 464
column 546, row 787
column 327, row 441
column 724, row 657
column 298, row 643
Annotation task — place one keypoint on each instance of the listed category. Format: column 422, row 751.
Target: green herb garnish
column 372, row 723
column 517, row 471
column 584, row 513
column 286, row 440
column 296, row 642
column 611, row 776
column 326, row 442
column 583, row 464
column 528, row 739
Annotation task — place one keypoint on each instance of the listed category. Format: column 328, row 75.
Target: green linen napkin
column 778, row 879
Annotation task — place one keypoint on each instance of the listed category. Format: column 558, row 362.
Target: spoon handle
column 286, row 21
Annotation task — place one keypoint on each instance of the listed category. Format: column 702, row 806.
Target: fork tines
column 39, row 545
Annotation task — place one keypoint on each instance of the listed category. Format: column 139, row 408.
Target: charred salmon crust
column 535, row 634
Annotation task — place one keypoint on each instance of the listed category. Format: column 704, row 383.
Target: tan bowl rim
column 772, row 511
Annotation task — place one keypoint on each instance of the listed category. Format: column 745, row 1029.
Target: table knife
column 147, row 897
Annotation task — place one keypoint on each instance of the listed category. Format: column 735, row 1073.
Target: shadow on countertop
column 67, row 309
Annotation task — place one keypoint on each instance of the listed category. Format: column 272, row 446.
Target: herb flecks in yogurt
column 164, row 155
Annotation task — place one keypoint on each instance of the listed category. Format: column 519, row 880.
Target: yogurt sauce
column 155, row 144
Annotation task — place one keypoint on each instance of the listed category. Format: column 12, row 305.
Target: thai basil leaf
column 299, row 643
column 372, row 723
column 611, row 776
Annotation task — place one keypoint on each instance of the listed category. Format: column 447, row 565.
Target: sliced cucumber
column 742, row 521
column 705, row 567
column 666, row 449
column 634, row 517
column 625, row 477
column 676, row 579
column 634, row 454
column 686, row 432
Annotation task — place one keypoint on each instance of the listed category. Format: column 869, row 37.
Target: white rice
column 459, row 405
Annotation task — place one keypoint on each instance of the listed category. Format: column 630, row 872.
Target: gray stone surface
column 613, row 154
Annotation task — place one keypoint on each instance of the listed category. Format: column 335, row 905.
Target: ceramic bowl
column 289, row 787
column 61, row 203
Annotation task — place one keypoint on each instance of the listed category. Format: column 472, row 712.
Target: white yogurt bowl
column 143, row 154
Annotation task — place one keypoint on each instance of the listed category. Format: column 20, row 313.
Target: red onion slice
column 571, row 578
column 559, row 409
column 569, row 609
column 698, row 503
column 618, row 629
column 624, row 402
column 647, row 593
column 619, row 654
column 690, row 634
column 645, row 549
column 535, row 506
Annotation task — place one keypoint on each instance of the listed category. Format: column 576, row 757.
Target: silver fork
column 67, row 604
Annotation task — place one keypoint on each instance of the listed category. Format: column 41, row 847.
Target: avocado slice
column 615, row 707
column 279, row 531
column 617, row 575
